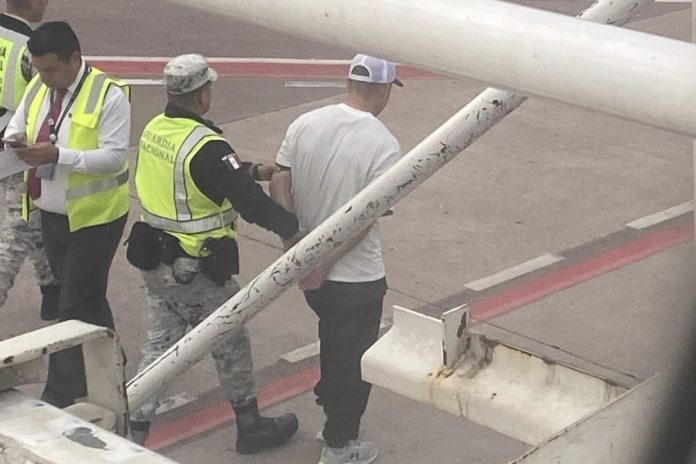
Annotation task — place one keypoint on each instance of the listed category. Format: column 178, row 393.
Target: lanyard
column 54, row 126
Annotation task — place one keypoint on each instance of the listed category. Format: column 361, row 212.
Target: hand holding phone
column 19, row 142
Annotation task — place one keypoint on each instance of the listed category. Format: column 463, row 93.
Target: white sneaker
column 355, row 452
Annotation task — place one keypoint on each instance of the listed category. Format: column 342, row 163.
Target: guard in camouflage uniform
column 20, row 239
column 192, row 187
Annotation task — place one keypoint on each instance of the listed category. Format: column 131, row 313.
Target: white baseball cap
column 186, row 73
column 365, row 68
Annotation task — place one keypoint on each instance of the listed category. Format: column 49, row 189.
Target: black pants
column 81, row 261
column 349, row 318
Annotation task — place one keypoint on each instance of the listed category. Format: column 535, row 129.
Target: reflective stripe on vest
column 94, row 93
column 183, row 212
column 191, row 227
column 32, row 92
column 12, row 83
column 99, row 185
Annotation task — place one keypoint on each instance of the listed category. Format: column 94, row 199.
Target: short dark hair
column 187, row 99
column 54, row 37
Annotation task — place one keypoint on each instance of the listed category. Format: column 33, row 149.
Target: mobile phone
column 13, row 143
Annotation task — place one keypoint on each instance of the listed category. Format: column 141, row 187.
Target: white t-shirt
column 334, row 152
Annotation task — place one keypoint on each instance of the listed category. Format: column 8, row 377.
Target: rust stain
column 434, row 381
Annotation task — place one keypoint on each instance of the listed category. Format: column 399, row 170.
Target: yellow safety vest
column 13, row 46
column 91, row 199
column 170, row 199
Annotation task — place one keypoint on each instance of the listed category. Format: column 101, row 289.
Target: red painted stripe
column 582, row 271
column 128, row 68
column 222, row 413
column 202, row 421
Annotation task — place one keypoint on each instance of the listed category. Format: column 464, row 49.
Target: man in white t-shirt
column 327, row 157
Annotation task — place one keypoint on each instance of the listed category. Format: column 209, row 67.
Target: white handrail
column 421, row 162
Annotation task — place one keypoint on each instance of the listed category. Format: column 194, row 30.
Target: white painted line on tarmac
column 147, row 59
column 513, row 272
column 316, row 84
column 662, row 216
column 173, row 402
column 144, row 81
column 312, row 349
column 299, row 354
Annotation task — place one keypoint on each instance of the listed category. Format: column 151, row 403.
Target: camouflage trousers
column 19, row 240
column 180, row 296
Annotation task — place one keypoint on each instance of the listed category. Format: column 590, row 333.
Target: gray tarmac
column 550, row 178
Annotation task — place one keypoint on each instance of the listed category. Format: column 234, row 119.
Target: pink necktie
column 33, row 182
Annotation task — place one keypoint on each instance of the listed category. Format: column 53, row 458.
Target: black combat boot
column 49, row 302
column 256, row 433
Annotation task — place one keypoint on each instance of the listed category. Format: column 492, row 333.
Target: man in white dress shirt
column 73, row 125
